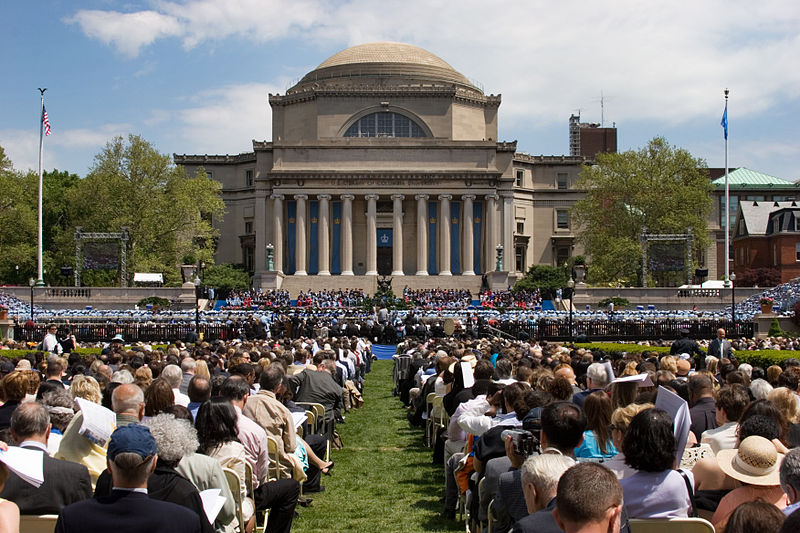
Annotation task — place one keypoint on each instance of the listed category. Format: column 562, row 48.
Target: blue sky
column 192, row 76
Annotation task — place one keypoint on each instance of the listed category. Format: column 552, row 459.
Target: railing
column 620, row 330
column 699, row 293
column 68, row 293
column 131, row 332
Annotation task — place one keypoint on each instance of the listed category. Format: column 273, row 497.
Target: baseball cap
column 133, row 438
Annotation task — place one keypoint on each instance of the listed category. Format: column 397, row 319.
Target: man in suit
column 131, row 459
column 720, row 347
column 65, row 482
column 540, row 475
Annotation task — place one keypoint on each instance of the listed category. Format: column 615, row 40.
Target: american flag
column 45, row 121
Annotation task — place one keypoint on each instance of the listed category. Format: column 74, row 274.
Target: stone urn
column 580, row 274
column 766, row 308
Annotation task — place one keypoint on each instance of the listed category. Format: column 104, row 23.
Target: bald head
column 128, row 399
column 566, row 372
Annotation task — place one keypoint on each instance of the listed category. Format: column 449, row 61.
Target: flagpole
column 727, row 203
column 40, row 267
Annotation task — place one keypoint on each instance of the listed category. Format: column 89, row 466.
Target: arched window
column 384, row 124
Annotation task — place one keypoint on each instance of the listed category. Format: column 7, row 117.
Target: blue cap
column 133, row 438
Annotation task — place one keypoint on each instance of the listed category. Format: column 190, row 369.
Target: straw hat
column 755, row 462
column 683, row 367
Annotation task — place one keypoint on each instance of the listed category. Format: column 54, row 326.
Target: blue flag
column 724, row 122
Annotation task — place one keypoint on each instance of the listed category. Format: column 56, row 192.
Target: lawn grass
column 384, row 480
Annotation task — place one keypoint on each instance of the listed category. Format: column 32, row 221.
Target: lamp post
column 499, row 265
column 733, row 299
column 571, row 285
column 32, row 284
column 197, row 304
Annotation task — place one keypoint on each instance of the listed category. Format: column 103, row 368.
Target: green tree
column 659, row 187
column 226, row 277
column 167, row 213
column 18, row 223
column 545, row 278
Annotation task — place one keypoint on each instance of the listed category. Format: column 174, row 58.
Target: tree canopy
column 129, row 185
column 659, row 187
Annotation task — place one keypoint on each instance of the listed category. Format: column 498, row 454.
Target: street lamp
column 197, row 304
column 733, row 299
column 571, row 285
column 32, row 284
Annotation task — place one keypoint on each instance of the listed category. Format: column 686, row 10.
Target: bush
column 765, row 358
column 155, row 301
column 775, row 329
column 618, row 302
column 763, row 277
column 611, row 347
column 226, row 277
column 545, row 278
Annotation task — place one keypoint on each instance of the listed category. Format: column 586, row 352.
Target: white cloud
column 128, row 32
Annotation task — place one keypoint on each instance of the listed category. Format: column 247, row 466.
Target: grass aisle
column 384, row 480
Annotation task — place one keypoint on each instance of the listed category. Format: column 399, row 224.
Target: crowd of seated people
column 520, row 299
column 518, row 416
column 258, row 298
column 438, row 298
column 184, row 415
column 330, row 299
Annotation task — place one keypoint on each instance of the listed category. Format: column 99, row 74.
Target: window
column 520, row 228
column 384, row 124
column 797, row 251
column 734, row 207
column 562, row 255
column 520, row 177
column 561, row 180
column 519, row 257
column 248, row 227
column 562, row 219
column 248, row 177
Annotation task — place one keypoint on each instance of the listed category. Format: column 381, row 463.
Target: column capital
column 398, row 197
column 347, row 197
column 468, row 196
column 323, row 197
column 277, row 197
column 507, row 196
column 421, row 197
column 492, row 196
column 301, row 197
column 371, row 196
column 445, row 197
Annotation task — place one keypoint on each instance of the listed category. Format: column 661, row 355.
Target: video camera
column 524, row 442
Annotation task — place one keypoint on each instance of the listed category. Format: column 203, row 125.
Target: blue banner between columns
column 313, row 249
column 336, row 247
column 455, row 237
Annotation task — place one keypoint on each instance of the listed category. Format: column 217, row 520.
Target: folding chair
column 236, row 490
column 429, row 419
column 670, row 525
column 45, row 523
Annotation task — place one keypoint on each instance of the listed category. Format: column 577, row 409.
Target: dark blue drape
column 313, row 249
column 477, row 221
column 455, row 237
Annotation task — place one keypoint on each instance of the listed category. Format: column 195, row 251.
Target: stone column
column 324, row 266
column 508, row 233
column 468, row 242
column 491, row 231
column 300, row 239
column 422, row 234
column 444, row 233
column 277, row 230
column 397, row 234
column 372, row 236
column 347, row 234
column 260, row 227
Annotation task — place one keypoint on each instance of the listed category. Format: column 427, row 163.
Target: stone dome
column 387, row 60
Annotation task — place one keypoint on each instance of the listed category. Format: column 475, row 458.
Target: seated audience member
column 158, row 396
column 760, row 389
column 173, row 375
column 790, row 480
column 540, row 475
column 757, row 516
column 127, row 402
column 703, row 411
column 319, row 386
column 588, row 500
column 730, row 404
column 656, row 490
column 597, row 442
column 54, row 373
column 86, row 387
column 64, row 482
column 596, row 380
column 199, row 391
column 132, row 455
column 791, row 524
column 756, row 464
column 60, row 407
column 78, row 449
column 787, row 403
column 9, row 512
column 620, row 421
column 15, row 387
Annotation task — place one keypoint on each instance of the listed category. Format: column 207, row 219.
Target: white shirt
column 721, row 438
column 50, row 344
column 180, row 398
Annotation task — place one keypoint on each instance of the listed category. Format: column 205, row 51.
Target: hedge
column 16, row 354
column 762, row 358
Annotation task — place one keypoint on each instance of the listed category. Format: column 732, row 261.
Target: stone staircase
column 295, row 284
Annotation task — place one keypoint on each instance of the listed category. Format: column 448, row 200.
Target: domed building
column 385, row 160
